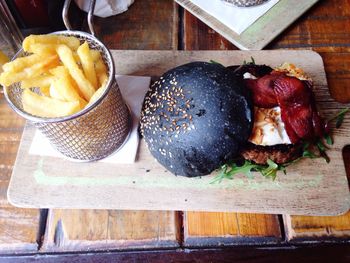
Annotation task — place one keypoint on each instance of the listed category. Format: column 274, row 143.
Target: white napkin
column 133, row 90
column 236, row 18
column 105, row 8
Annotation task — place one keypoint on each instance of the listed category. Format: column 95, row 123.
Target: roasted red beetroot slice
column 300, row 119
column 295, row 100
column 293, row 137
column 262, row 90
column 291, row 91
column 318, row 124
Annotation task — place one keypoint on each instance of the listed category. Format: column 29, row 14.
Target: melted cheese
column 247, row 75
column 268, row 127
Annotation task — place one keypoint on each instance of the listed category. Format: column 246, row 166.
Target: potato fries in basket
column 64, row 84
column 59, row 76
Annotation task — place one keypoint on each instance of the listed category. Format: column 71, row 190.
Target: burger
column 200, row 116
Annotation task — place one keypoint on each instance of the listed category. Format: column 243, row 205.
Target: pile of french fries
column 70, row 75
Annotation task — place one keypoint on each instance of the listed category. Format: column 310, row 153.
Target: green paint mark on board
column 168, row 181
column 273, row 23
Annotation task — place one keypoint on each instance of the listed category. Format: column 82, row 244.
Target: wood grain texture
column 79, row 230
column 18, row 227
column 321, row 30
column 324, row 29
column 260, row 33
column 337, row 66
column 222, row 229
column 146, row 185
column 324, row 253
column 199, row 224
column 199, row 36
column 203, row 228
column 148, row 24
column 310, row 228
column 11, row 127
column 19, row 230
column 329, row 35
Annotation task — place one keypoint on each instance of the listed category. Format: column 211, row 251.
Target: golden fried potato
column 70, row 76
column 97, row 94
column 42, row 82
column 87, row 63
column 29, row 41
column 95, row 55
column 63, row 85
column 22, row 63
column 66, row 56
column 53, row 93
column 7, row 78
column 47, row 107
column 101, row 71
column 43, row 50
column 45, row 91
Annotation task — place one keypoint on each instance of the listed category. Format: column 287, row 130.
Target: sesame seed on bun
column 196, row 117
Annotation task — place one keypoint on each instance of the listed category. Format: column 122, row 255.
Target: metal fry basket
column 96, row 131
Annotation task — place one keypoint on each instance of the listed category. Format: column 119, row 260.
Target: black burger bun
column 196, row 117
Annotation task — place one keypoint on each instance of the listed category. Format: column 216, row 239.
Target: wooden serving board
column 260, row 33
column 311, row 187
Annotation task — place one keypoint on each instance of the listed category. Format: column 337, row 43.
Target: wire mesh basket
column 92, row 133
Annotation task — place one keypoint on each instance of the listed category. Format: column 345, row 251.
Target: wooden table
column 162, row 24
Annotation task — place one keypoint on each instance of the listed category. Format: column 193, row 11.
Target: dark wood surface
column 161, row 24
column 146, row 25
column 324, row 253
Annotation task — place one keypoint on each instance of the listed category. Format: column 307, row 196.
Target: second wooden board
column 311, row 187
column 260, row 33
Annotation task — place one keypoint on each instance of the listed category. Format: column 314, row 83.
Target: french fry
column 43, row 50
column 7, row 78
column 53, row 93
column 101, row 71
column 45, row 91
column 47, row 107
column 95, row 55
column 73, row 82
column 71, row 42
column 21, row 63
column 66, row 56
column 41, row 82
column 87, row 63
column 97, row 94
column 68, row 75
column 64, row 86
column 76, row 58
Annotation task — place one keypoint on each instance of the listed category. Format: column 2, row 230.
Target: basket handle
column 90, row 17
